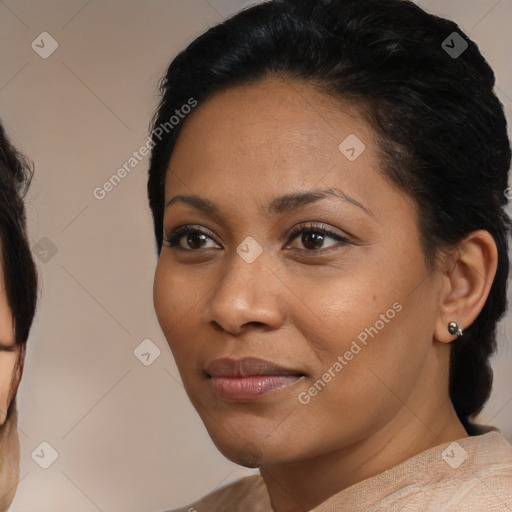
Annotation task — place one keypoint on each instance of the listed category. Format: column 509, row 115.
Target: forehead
column 280, row 106
column 276, row 129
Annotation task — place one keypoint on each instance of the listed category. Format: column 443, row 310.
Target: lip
column 249, row 378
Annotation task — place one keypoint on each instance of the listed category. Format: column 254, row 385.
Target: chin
column 248, row 455
column 252, row 451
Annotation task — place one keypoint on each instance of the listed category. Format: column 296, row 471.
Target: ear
column 9, row 353
column 468, row 276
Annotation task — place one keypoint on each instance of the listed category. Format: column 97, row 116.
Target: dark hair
column 441, row 130
column 17, row 263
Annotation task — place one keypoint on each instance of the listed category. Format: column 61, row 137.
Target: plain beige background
column 126, row 436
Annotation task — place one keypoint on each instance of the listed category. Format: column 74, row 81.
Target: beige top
column 471, row 474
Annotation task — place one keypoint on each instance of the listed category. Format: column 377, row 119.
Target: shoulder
column 469, row 475
column 248, row 494
column 488, row 479
column 476, row 474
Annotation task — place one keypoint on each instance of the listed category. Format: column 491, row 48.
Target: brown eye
column 312, row 240
column 194, row 238
column 314, row 237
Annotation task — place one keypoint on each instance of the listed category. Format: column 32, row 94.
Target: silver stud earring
column 453, row 328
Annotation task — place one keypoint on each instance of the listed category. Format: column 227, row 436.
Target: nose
column 247, row 293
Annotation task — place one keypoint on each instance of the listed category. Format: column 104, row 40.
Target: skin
column 9, row 381
column 8, row 351
column 301, row 303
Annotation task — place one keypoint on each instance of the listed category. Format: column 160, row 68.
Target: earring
column 453, row 328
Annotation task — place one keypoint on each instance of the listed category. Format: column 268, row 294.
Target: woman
column 329, row 216
column 18, row 297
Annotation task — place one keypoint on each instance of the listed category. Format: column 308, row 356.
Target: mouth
column 249, row 378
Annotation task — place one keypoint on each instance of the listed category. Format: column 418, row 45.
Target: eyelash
column 177, row 234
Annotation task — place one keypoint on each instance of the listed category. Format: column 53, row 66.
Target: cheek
column 174, row 292
column 366, row 370
column 177, row 299
column 7, row 364
column 364, row 328
column 342, row 308
column 7, row 359
column 162, row 299
column 6, row 320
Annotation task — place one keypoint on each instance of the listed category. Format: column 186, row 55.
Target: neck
column 300, row 486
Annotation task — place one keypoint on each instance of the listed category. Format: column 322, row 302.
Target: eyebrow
column 284, row 204
column 4, row 347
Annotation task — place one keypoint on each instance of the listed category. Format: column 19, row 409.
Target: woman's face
column 342, row 315
column 8, row 349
